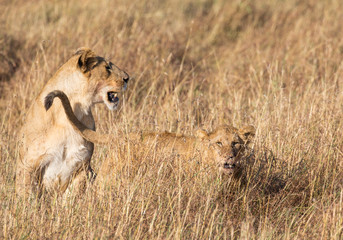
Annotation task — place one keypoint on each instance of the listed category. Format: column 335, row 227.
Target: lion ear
column 200, row 133
column 87, row 59
column 247, row 133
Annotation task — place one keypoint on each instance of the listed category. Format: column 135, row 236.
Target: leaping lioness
column 53, row 152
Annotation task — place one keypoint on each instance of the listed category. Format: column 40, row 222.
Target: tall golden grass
column 194, row 64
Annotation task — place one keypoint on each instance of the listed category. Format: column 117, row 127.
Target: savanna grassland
column 276, row 65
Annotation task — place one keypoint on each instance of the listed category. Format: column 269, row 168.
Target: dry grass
column 273, row 64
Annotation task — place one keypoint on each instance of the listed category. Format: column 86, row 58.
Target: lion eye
column 108, row 67
column 220, row 144
column 235, row 145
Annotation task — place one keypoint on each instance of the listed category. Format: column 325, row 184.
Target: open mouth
column 112, row 97
column 229, row 166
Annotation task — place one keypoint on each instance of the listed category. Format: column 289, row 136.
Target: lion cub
column 224, row 148
column 53, row 151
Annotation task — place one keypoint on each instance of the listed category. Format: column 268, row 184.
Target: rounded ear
column 247, row 133
column 200, row 133
column 87, row 59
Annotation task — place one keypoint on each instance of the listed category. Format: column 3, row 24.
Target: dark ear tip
column 86, row 59
column 79, row 63
column 81, row 50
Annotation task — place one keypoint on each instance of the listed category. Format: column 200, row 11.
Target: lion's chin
column 112, row 106
column 227, row 171
column 229, row 168
column 112, row 100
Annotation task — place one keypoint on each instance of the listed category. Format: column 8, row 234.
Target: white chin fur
column 104, row 98
column 112, row 106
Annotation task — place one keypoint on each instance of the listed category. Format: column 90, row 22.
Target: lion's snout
column 229, row 166
column 230, row 162
column 126, row 77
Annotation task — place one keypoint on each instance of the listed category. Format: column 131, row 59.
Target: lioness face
column 107, row 79
column 114, row 80
column 228, row 145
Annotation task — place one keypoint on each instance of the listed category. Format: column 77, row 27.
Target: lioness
column 53, row 152
column 224, row 148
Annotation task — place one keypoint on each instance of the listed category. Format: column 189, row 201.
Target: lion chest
column 68, row 157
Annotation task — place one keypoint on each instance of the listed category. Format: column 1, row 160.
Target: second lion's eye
column 235, row 145
column 108, row 67
column 220, row 144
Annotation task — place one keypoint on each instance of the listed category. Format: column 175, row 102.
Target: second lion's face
column 228, row 146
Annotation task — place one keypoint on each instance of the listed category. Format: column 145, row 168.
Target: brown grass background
column 194, row 64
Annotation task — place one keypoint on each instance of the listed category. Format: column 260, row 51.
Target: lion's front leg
column 22, row 181
column 29, row 177
column 81, row 180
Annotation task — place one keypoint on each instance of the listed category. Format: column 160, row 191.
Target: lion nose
column 126, row 77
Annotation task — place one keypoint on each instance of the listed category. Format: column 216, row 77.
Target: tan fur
column 53, row 151
column 224, row 147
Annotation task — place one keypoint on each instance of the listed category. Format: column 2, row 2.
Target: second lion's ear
column 87, row 59
column 247, row 133
column 200, row 133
